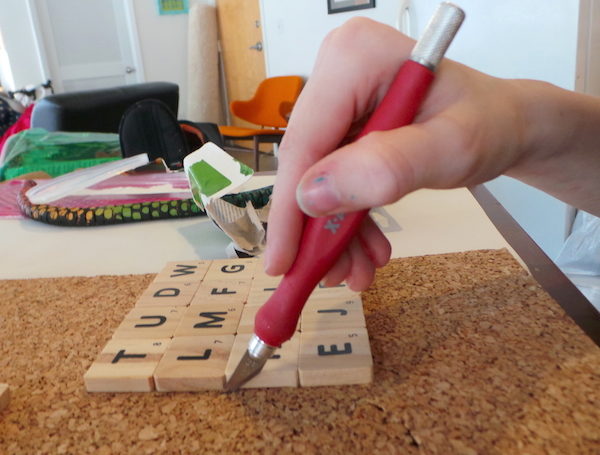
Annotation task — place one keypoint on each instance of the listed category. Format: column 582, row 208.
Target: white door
column 88, row 44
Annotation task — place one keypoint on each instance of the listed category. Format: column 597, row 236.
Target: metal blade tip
column 246, row 370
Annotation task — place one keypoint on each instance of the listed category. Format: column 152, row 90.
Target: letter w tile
column 183, row 269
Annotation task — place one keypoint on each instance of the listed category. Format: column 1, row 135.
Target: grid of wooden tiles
column 191, row 326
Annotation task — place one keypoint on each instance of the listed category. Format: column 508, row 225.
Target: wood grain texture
column 240, row 28
column 230, row 269
column 222, row 291
column 328, row 313
column 335, row 357
column 194, row 363
column 150, row 322
column 125, row 366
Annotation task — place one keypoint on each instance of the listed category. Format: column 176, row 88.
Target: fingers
column 344, row 87
column 375, row 243
column 371, row 172
column 370, row 249
column 381, row 168
column 363, row 270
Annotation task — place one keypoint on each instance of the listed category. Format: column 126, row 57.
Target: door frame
column 47, row 53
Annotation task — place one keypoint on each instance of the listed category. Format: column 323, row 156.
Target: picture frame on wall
column 166, row 7
column 340, row 6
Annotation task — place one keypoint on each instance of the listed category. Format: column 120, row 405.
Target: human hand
column 470, row 129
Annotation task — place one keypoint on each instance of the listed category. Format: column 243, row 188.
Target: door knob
column 258, row 46
column 129, row 70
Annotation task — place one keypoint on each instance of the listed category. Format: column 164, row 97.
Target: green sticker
column 207, row 180
column 245, row 170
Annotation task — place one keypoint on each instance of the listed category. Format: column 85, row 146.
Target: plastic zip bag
column 580, row 253
column 56, row 153
column 579, row 257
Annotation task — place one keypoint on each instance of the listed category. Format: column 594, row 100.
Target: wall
column 163, row 45
column 20, row 45
column 293, row 31
column 534, row 39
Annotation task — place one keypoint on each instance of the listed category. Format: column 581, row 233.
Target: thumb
column 379, row 169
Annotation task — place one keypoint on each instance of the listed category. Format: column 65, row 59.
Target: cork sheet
column 471, row 357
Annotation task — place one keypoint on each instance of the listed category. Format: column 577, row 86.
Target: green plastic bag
column 56, row 153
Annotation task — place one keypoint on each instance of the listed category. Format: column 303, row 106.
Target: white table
column 429, row 222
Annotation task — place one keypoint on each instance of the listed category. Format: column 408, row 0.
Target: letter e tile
column 335, row 357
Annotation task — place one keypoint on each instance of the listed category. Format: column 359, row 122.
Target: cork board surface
column 471, row 357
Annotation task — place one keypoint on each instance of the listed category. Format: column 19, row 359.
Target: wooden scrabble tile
column 246, row 324
column 152, row 322
column 168, row 294
column 333, row 314
column 213, row 319
column 231, row 269
column 231, row 291
column 334, row 357
column 183, row 271
column 281, row 370
column 194, row 363
column 261, row 291
column 125, row 366
column 4, row 396
column 341, row 290
column 260, row 294
column 257, row 299
column 265, row 280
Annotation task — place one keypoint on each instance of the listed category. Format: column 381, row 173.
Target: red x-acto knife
column 325, row 238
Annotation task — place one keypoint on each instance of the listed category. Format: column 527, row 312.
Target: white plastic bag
column 580, row 253
column 579, row 257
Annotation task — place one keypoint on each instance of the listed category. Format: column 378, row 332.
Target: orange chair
column 270, row 108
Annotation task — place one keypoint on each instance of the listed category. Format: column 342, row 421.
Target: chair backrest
column 272, row 102
column 98, row 110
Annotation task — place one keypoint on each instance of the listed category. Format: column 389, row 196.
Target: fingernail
column 318, row 196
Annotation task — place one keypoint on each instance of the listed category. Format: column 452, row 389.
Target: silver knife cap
column 438, row 35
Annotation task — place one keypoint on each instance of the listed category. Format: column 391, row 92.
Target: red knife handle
column 325, row 238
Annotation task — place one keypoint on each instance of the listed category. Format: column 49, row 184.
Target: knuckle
column 353, row 31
